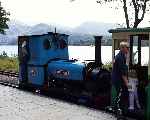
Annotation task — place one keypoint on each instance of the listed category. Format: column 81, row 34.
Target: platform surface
column 20, row 105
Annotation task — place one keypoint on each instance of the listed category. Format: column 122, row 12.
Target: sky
column 62, row 12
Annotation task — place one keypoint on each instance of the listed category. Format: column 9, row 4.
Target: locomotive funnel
column 98, row 61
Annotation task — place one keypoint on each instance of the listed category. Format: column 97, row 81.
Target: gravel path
column 19, row 105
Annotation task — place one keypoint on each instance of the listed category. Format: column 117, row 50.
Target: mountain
column 94, row 28
column 81, row 35
column 16, row 29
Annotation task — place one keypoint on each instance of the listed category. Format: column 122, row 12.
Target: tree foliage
column 3, row 19
column 136, row 9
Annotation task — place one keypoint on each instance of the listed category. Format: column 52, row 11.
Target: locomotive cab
column 138, row 60
column 35, row 52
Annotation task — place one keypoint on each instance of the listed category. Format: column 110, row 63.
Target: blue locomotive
column 44, row 64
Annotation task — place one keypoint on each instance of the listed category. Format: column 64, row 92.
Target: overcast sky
column 62, row 12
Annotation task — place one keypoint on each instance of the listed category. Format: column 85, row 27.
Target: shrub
column 108, row 66
column 9, row 63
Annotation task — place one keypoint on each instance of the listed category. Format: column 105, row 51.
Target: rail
column 9, row 78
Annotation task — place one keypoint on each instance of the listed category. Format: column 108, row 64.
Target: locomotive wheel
column 104, row 82
column 91, row 86
column 51, row 81
column 23, row 85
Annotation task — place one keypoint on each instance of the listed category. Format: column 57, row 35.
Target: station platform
column 22, row 105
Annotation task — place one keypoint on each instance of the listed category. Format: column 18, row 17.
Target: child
column 132, row 88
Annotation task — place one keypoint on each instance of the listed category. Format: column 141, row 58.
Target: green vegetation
column 9, row 63
column 108, row 66
column 3, row 19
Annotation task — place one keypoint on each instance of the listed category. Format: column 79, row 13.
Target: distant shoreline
column 68, row 45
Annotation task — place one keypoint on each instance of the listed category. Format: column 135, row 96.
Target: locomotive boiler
column 44, row 64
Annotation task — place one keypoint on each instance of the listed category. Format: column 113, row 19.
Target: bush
column 108, row 66
column 9, row 63
column 3, row 55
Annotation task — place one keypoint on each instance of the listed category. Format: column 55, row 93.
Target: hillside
column 82, row 34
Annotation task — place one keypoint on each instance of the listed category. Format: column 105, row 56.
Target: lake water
column 82, row 52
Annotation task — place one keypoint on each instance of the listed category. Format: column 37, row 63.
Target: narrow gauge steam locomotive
column 44, row 64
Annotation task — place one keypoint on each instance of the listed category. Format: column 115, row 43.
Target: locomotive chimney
column 98, row 61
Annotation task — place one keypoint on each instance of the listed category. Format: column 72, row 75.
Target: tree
column 3, row 19
column 139, row 8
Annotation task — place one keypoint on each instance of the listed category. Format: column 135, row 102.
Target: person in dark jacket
column 23, row 59
column 120, row 72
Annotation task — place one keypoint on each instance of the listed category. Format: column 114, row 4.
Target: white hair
column 124, row 44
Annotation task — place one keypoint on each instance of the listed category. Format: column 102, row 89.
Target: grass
column 9, row 63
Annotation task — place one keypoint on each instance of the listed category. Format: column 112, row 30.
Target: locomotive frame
column 45, row 65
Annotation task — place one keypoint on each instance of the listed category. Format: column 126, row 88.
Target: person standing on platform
column 120, row 73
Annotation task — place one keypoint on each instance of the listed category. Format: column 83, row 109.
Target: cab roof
column 118, row 30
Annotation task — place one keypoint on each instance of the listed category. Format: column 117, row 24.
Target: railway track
column 9, row 78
